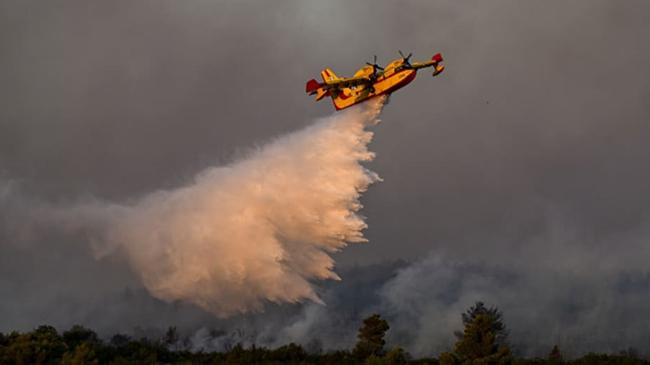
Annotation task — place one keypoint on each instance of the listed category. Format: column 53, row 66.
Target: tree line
column 482, row 341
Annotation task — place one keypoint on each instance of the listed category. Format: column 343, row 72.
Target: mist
column 518, row 176
column 257, row 230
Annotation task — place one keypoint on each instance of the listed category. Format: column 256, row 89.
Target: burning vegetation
column 483, row 340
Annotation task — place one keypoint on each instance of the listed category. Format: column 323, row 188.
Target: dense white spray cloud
column 259, row 229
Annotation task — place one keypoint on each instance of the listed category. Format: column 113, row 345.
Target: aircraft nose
column 439, row 69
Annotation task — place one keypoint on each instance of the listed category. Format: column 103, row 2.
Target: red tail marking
column 437, row 57
column 312, row 86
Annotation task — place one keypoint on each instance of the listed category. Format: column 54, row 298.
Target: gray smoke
column 521, row 172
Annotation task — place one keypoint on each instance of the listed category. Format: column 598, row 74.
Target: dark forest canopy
column 483, row 340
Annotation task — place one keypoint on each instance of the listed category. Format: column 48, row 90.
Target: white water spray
column 259, row 229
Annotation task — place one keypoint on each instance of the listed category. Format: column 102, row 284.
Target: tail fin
column 328, row 75
column 312, row 87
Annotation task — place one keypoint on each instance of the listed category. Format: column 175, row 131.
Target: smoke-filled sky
column 518, row 176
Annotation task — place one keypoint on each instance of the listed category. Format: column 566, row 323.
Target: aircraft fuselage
column 370, row 81
column 388, row 82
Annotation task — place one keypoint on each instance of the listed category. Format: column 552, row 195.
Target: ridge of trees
column 482, row 341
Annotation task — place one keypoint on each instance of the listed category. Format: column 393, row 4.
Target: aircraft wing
column 333, row 85
column 340, row 83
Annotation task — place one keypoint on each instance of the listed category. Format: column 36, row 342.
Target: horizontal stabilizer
column 328, row 75
column 321, row 93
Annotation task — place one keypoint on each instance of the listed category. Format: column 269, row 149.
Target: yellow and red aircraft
column 370, row 81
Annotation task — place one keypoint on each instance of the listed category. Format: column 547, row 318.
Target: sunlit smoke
column 257, row 230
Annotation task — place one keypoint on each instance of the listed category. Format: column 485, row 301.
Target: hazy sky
column 530, row 150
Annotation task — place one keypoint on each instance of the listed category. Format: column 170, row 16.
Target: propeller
column 375, row 67
column 374, row 63
column 406, row 58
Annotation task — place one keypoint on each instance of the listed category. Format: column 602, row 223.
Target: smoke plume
column 257, row 230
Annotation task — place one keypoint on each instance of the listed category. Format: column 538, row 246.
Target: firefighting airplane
column 370, row 81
